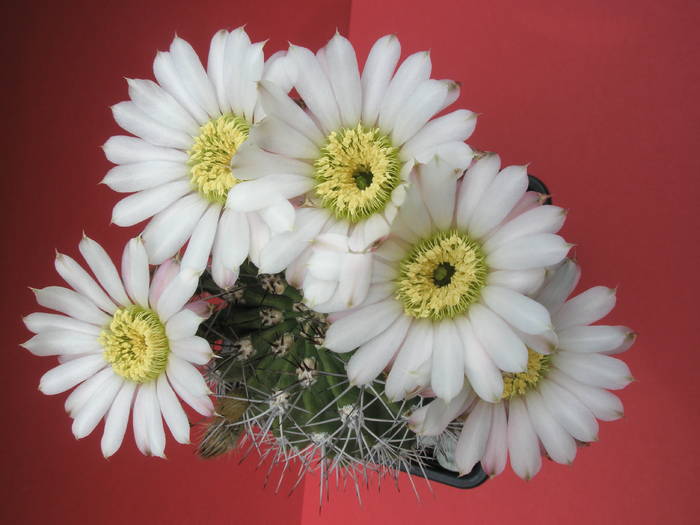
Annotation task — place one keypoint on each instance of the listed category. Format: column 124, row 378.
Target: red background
column 600, row 97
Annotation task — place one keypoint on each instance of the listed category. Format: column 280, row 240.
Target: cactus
column 289, row 396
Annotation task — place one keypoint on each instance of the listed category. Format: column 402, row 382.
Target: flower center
column 211, row 154
column 135, row 344
column 519, row 384
column 356, row 173
column 441, row 276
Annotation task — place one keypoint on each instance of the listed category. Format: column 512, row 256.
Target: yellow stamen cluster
column 441, row 276
column 356, row 173
column 519, row 384
column 135, row 344
column 211, row 154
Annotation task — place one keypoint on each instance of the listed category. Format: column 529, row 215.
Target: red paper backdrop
column 65, row 66
column 599, row 98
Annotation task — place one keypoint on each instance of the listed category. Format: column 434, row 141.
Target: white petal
column 162, row 277
column 523, row 313
column 259, row 237
column 419, row 107
column 159, row 105
column 201, row 403
column 140, row 422
column 378, row 292
column 62, row 342
column 132, row 119
column 559, row 285
column 569, row 412
column 169, row 230
column 121, row 149
column 85, row 390
column 277, row 136
column 200, row 244
column 586, row 308
column 235, row 54
column 496, row 454
column 135, row 271
column 257, row 194
column 178, row 84
column 474, row 437
column 376, row 75
column 154, row 422
column 177, row 294
column 523, row 444
column 416, row 350
column 41, row 322
column 411, row 73
column 453, row 91
column 104, row 269
column 72, row 304
column 174, row 415
column 498, row 200
column 448, row 361
column 367, row 232
column 276, row 102
column 456, row 154
column 558, row 443
column 144, row 204
column 532, row 251
column 414, row 214
column 527, row 282
column 251, row 162
column 505, row 348
column 597, row 370
column 453, row 127
column 344, row 77
column 89, row 415
column 183, row 324
column 527, row 202
column 362, row 325
column 216, row 68
column 354, row 279
column 230, row 248
column 483, row 375
column 280, row 71
column 543, row 343
column 285, row 247
column 373, row 356
column 193, row 349
column 432, row 419
column 250, row 75
column 474, row 183
column 325, row 259
column 438, row 183
column 185, row 374
column 67, row 375
column 82, row 283
column 604, row 405
column 542, row 219
column 117, row 419
column 193, row 76
column 392, row 249
column 318, row 291
column 401, row 230
column 593, row 338
column 144, row 175
column 314, row 88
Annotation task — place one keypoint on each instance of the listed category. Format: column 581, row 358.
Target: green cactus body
column 299, row 398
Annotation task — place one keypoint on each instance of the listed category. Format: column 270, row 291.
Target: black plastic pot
column 434, row 472
column 431, row 468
